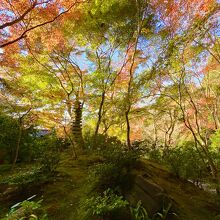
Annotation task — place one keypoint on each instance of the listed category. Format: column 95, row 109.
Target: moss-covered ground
column 62, row 193
column 193, row 203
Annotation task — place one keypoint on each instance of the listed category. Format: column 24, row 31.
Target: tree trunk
column 128, row 129
column 99, row 115
column 17, row 146
column 197, row 136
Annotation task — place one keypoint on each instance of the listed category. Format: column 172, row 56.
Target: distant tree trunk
column 20, row 122
column 128, row 129
column 155, row 134
column 17, row 145
column 196, row 132
column 99, row 115
column 106, row 127
column 166, row 147
column 140, row 14
column 77, row 125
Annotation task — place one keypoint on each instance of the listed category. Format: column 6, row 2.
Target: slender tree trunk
column 19, row 136
column 99, row 115
column 166, row 147
column 131, row 71
column 106, row 127
column 196, row 134
column 128, row 129
column 155, row 134
column 17, row 146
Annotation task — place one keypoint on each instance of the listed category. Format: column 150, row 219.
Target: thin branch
column 24, row 34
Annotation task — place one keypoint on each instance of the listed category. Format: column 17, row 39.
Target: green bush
column 155, row 154
column 30, row 210
column 9, row 132
column 47, row 151
column 215, row 147
column 115, row 171
column 175, row 161
column 23, row 177
column 151, row 151
column 185, row 162
column 8, row 137
column 101, row 142
column 139, row 212
column 102, row 205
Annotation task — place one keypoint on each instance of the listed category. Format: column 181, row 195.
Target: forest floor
column 61, row 195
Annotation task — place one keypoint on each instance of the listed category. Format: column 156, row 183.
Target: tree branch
column 23, row 35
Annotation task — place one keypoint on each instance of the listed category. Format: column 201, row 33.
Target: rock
column 151, row 195
column 148, row 187
column 165, row 200
column 147, row 201
column 9, row 193
column 10, row 190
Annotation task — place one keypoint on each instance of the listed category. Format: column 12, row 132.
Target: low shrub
column 139, row 212
column 100, row 142
column 30, row 210
column 23, row 177
column 102, row 205
column 185, row 162
column 47, row 150
column 115, row 171
column 108, row 180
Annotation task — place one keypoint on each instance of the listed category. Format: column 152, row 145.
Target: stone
column 148, row 187
column 10, row 190
column 147, row 201
column 151, row 195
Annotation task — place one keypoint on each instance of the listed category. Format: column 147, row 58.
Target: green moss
column 192, row 202
column 62, row 194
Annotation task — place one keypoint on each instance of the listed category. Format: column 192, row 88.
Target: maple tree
column 18, row 18
column 135, row 69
